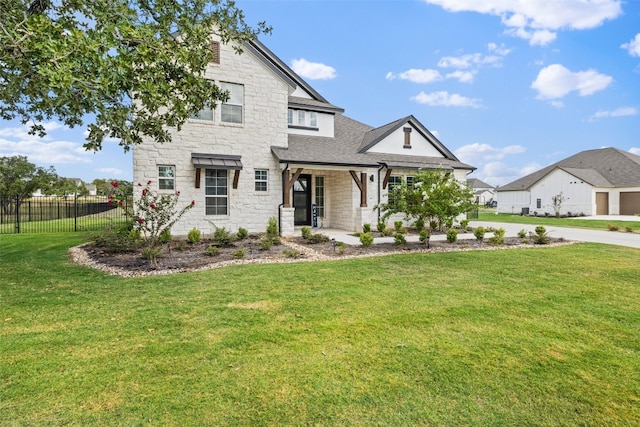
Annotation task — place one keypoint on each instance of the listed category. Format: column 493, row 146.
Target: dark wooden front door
column 302, row 200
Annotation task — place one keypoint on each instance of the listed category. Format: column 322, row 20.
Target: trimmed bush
column 366, row 228
column 399, row 239
column 366, row 239
column 479, row 233
column 452, row 235
column 194, row 235
column 242, row 233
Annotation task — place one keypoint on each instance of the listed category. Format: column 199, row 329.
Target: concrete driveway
column 576, row 234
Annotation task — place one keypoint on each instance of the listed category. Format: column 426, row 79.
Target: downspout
column 379, row 191
column 286, row 170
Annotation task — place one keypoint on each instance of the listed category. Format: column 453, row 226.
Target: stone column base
column 287, row 221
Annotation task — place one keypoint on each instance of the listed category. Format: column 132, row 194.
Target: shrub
column 119, row 238
column 452, row 235
column 266, row 244
column 419, row 225
column 291, row 253
column 424, row 235
column 366, row 239
column 306, row 233
column 212, row 250
column 340, row 247
column 181, row 245
column 165, row 235
column 541, row 237
column 194, row 235
column 319, row 238
column 387, row 232
column 239, row 253
column 242, row 233
column 366, row 228
column 222, row 237
column 399, row 239
column 498, row 237
column 522, row 234
column 612, row 227
column 381, row 226
column 464, row 224
column 273, row 234
column 152, row 253
column 479, row 233
column 397, row 225
column 628, row 229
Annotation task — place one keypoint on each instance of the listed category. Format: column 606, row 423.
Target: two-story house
column 277, row 148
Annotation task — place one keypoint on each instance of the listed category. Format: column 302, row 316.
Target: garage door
column 630, row 203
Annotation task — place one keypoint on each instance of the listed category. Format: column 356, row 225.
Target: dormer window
column 302, row 119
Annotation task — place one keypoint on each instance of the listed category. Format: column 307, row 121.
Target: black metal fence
column 57, row 214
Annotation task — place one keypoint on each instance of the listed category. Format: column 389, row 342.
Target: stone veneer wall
column 265, row 125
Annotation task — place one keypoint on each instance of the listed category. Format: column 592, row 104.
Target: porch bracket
column 386, row 179
column 288, row 185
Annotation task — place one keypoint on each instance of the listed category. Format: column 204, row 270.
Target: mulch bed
column 180, row 256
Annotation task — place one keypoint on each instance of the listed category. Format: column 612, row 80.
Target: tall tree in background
column 136, row 66
column 20, row 179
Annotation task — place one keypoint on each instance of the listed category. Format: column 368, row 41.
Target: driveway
column 576, row 234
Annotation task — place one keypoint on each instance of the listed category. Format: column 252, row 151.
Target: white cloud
column 482, row 153
column 633, row 46
column 313, row 70
column 556, row 81
column 112, row 172
column 538, row 20
column 416, row 76
column 469, row 60
column 446, row 99
column 462, row 76
column 619, row 112
column 635, row 150
column 16, row 141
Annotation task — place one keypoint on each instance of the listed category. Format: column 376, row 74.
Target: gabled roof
column 374, row 136
column 344, row 149
column 605, row 167
column 476, row 183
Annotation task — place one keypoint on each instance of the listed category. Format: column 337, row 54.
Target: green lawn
column 536, row 336
column 575, row 222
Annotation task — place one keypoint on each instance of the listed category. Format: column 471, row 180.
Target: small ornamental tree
column 433, row 198
column 557, row 201
column 152, row 215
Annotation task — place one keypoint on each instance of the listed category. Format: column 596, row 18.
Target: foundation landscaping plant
column 540, row 335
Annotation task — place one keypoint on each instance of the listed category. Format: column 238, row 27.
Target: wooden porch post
column 288, row 185
column 362, row 185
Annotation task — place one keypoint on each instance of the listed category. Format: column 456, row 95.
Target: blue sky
column 509, row 86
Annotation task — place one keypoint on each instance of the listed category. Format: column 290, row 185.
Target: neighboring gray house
column 605, row 181
column 279, row 149
column 483, row 192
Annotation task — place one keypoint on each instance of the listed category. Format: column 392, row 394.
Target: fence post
column 17, row 226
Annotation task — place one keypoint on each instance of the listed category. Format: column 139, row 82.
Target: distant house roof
column 476, row 183
column 346, row 149
column 604, row 167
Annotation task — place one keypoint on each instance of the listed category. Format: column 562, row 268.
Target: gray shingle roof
column 345, row 150
column 604, row 167
column 476, row 183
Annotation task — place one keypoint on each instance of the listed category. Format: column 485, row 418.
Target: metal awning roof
column 216, row 161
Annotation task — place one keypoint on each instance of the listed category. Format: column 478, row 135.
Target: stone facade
column 264, row 125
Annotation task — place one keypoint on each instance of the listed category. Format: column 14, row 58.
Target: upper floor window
column 205, row 114
column 231, row 111
column 302, row 118
column 166, row 177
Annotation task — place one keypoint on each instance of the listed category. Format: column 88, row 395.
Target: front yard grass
column 540, row 336
column 573, row 222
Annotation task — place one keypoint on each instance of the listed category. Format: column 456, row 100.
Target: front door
column 302, row 200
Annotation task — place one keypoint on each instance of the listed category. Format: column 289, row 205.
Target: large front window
column 231, row 111
column 216, row 192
